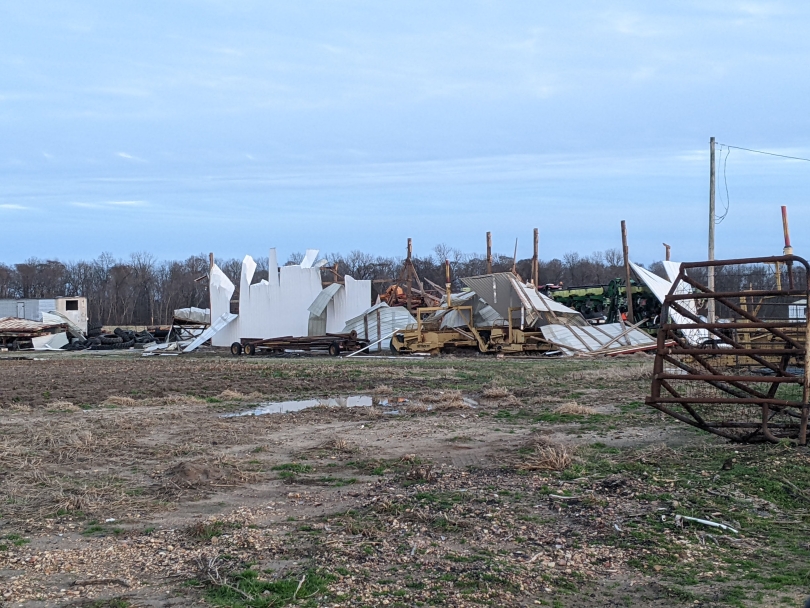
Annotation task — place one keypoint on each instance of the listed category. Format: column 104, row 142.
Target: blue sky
column 187, row 127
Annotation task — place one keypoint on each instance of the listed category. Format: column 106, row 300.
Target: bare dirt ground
column 123, row 485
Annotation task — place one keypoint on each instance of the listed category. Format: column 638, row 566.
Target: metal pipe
column 788, row 250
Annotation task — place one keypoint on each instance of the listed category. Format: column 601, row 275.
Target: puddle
column 283, row 407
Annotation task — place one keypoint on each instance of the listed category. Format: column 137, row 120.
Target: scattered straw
column 496, row 392
column 545, row 455
column 416, row 407
column 549, row 458
column 65, row 406
column 229, row 395
column 118, row 401
column 338, row 444
column 442, row 397
column 572, row 407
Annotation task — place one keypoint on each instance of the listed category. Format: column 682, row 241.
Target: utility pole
column 667, row 251
column 535, row 260
column 628, row 287
column 710, row 302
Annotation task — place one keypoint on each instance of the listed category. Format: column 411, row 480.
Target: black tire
column 123, row 345
column 111, row 339
column 250, row 349
column 236, row 349
column 334, row 349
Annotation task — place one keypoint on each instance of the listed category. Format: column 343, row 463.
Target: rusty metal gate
column 745, row 375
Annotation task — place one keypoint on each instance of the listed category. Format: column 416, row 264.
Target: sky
column 181, row 127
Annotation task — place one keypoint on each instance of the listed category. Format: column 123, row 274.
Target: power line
column 725, row 181
column 807, row 160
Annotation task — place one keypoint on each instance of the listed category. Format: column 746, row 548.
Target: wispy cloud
column 109, row 204
column 130, row 157
column 11, row 207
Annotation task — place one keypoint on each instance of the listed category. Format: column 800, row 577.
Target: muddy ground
column 471, row 481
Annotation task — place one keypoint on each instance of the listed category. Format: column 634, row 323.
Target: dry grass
column 229, row 395
column 382, row 390
column 118, row 401
column 652, row 454
column 641, row 370
column 174, row 400
column 416, row 407
column 447, row 406
column 65, row 406
column 545, row 455
column 338, row 444
column 442, row 401
column 572, row 407
column 496, row 392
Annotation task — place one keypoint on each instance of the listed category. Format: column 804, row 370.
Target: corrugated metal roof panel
column 502, row 291
column 322, row 300
column 391, row 318
column 584, row 340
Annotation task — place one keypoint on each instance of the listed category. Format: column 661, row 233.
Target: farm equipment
column 606, row 303
column 334, row 344
column 467, row 320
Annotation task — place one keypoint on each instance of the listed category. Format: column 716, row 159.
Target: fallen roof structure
column 22, row 332
column 508, row 296
column 661, row 287
column 592, row 340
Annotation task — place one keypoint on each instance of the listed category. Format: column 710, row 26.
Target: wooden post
column 627, row 275
column 535, row 262
column 379, row 331
column 447, row 281
column 710, row 284
column 489, row 253
column 667, row 248
column 408, row 264
column 210, row 299
column 514, row 259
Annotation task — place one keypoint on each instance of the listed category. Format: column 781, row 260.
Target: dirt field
column 471, row 481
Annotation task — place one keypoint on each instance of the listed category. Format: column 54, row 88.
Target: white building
column 74, row 309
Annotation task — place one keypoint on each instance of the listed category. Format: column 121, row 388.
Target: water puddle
column 390, row 405
column 283, row 407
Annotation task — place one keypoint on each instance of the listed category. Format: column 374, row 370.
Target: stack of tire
column 118, row 340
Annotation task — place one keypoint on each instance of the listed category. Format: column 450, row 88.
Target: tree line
column 141, row 290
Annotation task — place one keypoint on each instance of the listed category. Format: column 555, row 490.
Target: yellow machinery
column 428, row 335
